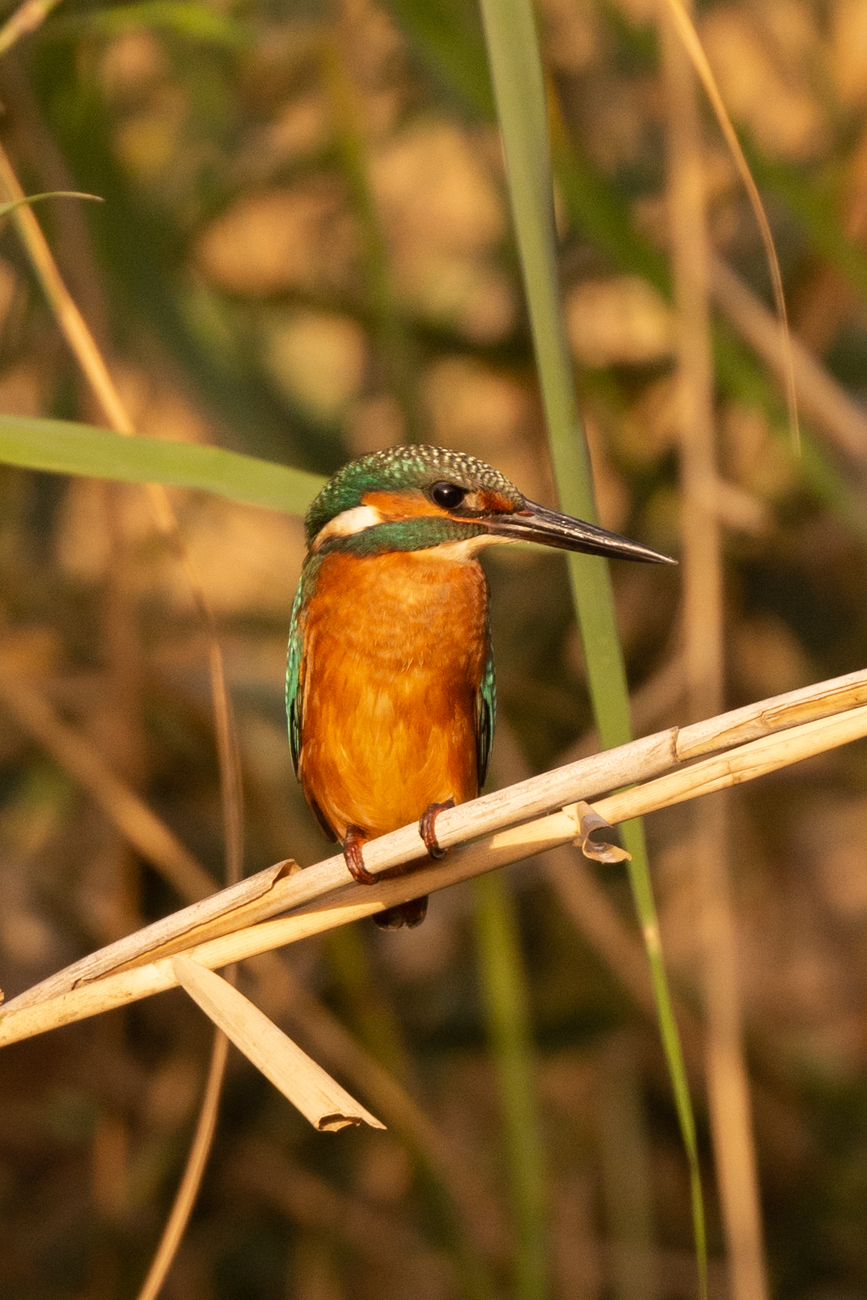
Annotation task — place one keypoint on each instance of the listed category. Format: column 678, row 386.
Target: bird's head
column 413, row 498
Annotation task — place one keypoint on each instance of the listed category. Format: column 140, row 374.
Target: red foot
column 427, row 828
column 353, row 843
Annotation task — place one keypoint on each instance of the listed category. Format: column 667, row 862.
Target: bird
column 390, row 690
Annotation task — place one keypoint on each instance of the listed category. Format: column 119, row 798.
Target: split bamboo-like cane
column 282, row 887
column 326, row 901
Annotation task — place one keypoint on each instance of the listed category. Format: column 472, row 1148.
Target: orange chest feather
column 397, row 614
column 394, row 650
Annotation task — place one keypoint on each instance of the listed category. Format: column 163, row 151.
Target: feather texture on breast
column 395, row 653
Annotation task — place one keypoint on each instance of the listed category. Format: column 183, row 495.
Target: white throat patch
column 347, row 524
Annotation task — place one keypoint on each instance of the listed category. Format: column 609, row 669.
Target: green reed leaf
column 519, row 89
column 67, row 448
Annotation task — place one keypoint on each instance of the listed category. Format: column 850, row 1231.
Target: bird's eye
column 447, row 495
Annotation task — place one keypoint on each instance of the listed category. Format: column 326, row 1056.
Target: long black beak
column 537, row 523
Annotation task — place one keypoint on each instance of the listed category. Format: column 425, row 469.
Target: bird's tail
column 404, row 914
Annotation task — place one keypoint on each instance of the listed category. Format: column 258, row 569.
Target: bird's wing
column 294, row 664
column 486, row 714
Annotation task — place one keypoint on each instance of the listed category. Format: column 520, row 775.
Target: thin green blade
column 67, row 448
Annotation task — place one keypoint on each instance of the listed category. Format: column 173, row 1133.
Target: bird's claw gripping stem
column 427, row 828
column 353, row 844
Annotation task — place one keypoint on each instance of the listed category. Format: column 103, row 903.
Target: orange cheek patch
column 400, row 505
column 494, row 503
column 413, row 505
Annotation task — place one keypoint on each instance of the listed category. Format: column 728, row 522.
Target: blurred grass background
column 305, row 253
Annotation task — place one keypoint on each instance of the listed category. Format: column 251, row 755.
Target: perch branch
column 281, row 887
column 323, row 900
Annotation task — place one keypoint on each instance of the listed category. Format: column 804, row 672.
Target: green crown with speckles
column 400, row 468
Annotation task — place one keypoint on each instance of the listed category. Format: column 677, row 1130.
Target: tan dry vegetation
column 305, row 252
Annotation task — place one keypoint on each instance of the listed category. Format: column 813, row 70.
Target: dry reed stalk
column 281, row 887
column 98, row 376
column 156, row 843
column 80, row 759
column 260, row 1172
column 27, row 18
column 692, row 47
column 337, row 905
column 150, row 837
column 654, row 700
column 829, row 297
column 68, row 317
column 323, row 1102
column 820, row 396
column 280, row 989
column 96, row 372
column 188, row 1188
column 703, row 625
column 589, row 907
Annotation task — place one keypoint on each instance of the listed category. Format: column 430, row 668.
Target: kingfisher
column 390, row 691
